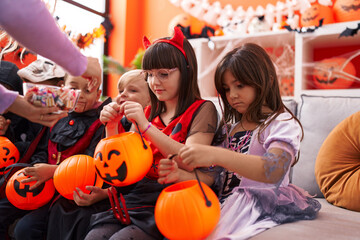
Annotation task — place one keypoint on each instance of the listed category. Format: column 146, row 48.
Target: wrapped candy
column 49, row 96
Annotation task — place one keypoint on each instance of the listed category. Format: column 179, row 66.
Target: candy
column 49, row 96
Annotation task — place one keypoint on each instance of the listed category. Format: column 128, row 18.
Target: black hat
column 9, row 76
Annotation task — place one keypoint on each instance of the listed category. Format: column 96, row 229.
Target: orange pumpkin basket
column 123, row 159
column 20, row 195
column 182, row 211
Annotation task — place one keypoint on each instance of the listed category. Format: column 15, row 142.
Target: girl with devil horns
column 176, row 117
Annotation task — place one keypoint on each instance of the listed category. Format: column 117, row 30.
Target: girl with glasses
column 176, row 117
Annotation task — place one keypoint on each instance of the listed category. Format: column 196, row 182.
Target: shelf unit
column 308, row 48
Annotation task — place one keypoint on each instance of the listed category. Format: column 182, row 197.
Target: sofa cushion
column 291, row 105
column 331, row 223
column 338, row 162
column 318, row 115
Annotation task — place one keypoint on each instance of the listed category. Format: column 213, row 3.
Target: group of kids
column 245, row 157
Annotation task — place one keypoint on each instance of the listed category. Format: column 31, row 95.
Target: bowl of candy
column 51, row 96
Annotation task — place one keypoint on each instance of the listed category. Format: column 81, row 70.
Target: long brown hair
column 165, row 55
column 252, row 66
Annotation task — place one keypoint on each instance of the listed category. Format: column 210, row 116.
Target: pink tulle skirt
column 247, row 212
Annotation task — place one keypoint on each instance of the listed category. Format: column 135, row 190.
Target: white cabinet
column 297, row 54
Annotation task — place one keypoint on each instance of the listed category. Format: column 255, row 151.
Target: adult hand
column 83, row 199
column 93, row 73
column 43, row 115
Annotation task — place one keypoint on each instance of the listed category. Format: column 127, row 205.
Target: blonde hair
column 130, row 76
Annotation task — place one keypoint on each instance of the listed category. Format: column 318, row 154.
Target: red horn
column 178, row 37
column 146, row 42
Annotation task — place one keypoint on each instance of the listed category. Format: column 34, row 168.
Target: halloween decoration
column 77, row 171
column 123, row 159
column 350, row 31
column 20, row 195
column 11, row 51
column 305, row 29
column 236, row 26
column 312, row 15
column 212, row 13
column 181, row 211
column 287, row 86
column 191, row 27
column 258, row 24
column 346, row 10
column 9, row 154
column 333, row 73
column 84, row 41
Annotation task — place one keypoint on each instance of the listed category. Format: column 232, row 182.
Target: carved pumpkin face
column 9, row 154
column 184, row 203
column 20, row 195
column 287, row 86
column 77, row 171
column 346, row 10
column 122, row 159
column 327, row 74
column 315, row 13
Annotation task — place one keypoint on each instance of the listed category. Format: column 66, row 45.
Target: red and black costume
column 78, row 133
column 141, row 199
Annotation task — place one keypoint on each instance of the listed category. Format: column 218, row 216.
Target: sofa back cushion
column 318, row 116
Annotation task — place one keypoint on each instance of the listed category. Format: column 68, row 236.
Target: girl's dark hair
column 252, row 66
column 165, row 55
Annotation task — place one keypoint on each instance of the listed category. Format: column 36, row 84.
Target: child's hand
column 40, row 172
column 196, row 155
column 97, row 194
column 111, row 114
column 168, row 171
column 4, row 125
column 135, row 113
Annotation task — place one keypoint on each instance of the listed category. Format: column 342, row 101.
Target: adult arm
column 30, row 23
column 7, row 98
column 42, row 115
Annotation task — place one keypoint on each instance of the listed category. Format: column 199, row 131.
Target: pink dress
column 249, row 207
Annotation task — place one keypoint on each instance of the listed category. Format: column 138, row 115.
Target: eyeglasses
column 161, row 74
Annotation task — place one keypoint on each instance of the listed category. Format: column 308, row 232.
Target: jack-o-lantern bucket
column 346, row 10
column 77, row 171
column 315, row 13
column 20, row 195
column 181, row 211
column 123, row 159
column 9, row 154
column 328, row 73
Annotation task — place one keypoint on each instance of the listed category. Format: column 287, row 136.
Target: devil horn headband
column 177, row 41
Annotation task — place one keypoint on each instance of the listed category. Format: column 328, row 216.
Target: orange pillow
column 337, row 167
